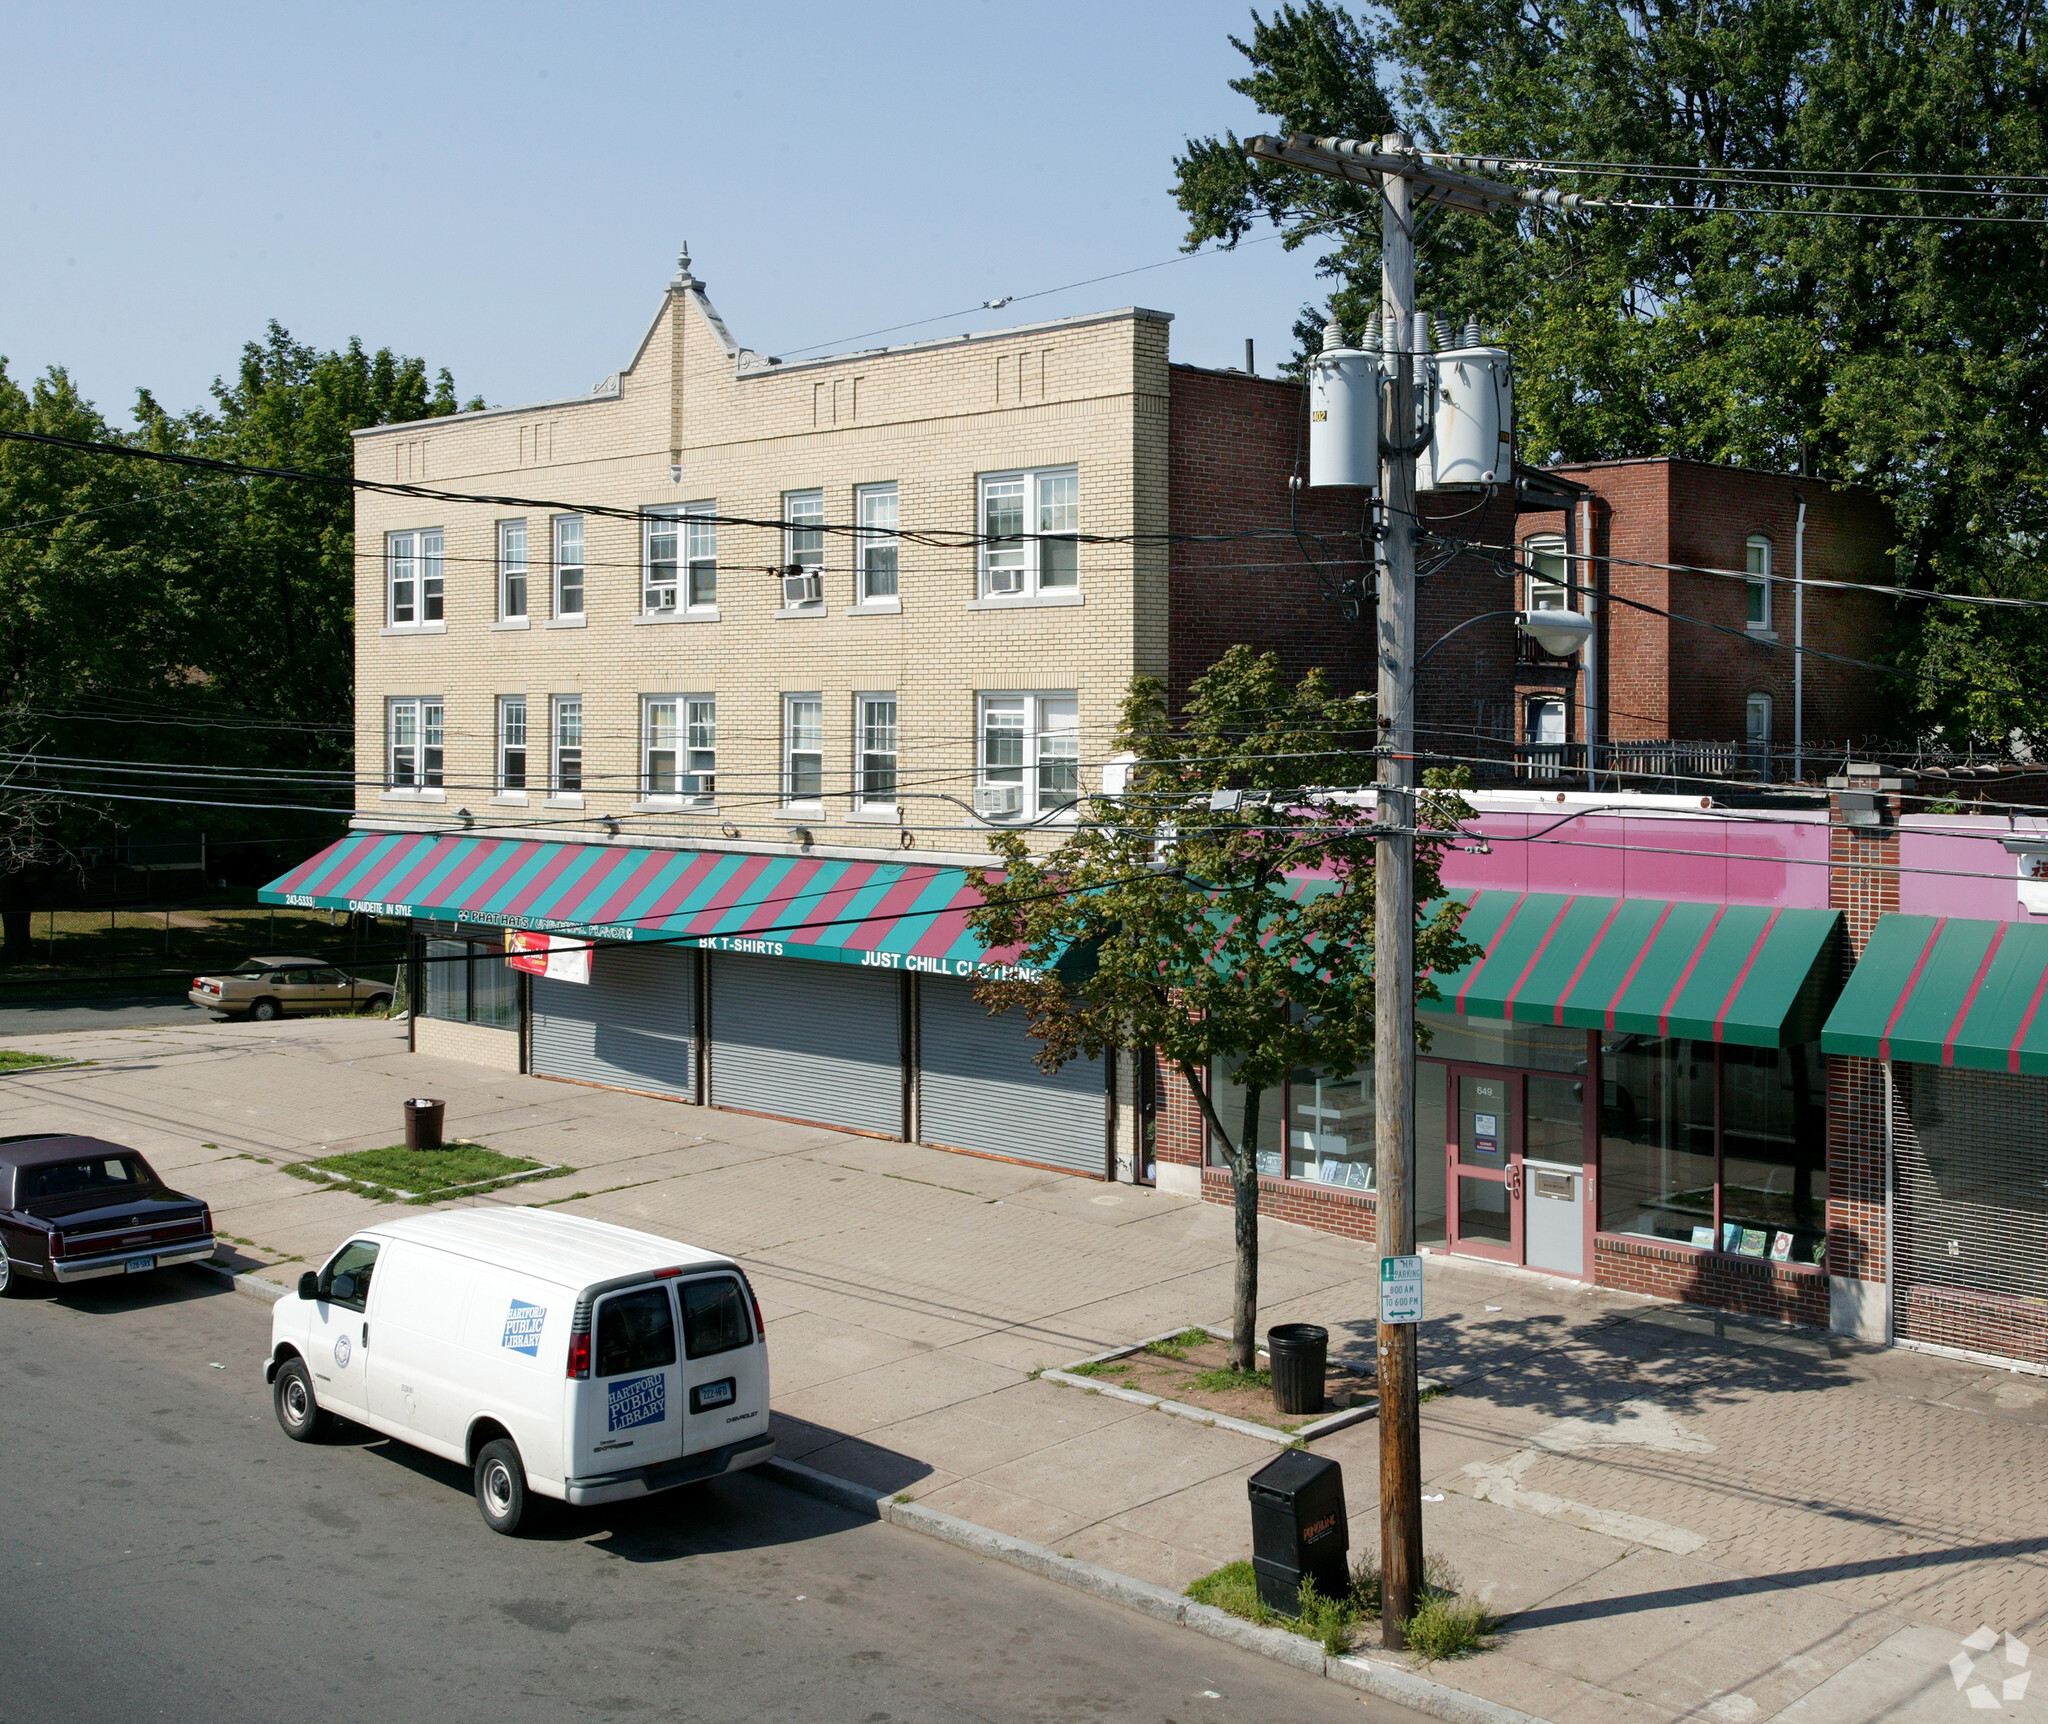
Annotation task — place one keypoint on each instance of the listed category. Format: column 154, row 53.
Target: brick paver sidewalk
column 1684, row 1516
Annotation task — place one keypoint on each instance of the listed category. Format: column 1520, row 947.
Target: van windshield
column 636, row 1331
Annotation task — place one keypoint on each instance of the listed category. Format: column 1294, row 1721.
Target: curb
column 1389, row 1682
column 254, row 1286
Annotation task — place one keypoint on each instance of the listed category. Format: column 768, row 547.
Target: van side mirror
column 309, row 1285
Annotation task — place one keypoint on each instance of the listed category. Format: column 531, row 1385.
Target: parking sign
column 1400, row 1289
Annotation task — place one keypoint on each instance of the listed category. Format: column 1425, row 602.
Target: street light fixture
column 1559, row 633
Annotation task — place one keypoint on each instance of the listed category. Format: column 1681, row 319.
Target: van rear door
column 725, row 1370
column 630, row 1412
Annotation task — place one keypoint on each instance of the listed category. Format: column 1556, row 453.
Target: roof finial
column 683, row 277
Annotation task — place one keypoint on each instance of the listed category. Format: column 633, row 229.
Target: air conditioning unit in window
column 802, row 587
column 998, row 801
column 1006, row 580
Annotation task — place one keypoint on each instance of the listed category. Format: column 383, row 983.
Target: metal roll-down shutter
column 979, row 1088
column 807, row 1040
column 633, row 1026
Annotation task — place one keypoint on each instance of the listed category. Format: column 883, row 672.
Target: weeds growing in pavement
column 1099, row 1368
column 1222, row 1382
column 1176, row 1346
column 1449, row 1628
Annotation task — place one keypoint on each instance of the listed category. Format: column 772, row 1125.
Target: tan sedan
column 267, row 988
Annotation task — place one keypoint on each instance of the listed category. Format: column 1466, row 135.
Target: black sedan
column 76, row 1208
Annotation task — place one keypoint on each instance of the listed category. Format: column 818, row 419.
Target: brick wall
column 1755, row 1289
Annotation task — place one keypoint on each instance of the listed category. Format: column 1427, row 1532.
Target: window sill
column 696, row 616
column 675, row 805
column 1026, row 601
column 509, row 799
column 412, row 796
column 876, row 608
column 576, row 622
column 514, row 623
column 874, row 817
column 567, row 799
column 789, row 613
column 1654, row 1242
column 1757, row 634
column 802, row 812
column 440, row 628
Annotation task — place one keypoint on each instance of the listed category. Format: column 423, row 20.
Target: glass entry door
column 1484, row 1163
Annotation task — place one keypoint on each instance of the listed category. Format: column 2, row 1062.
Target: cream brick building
column 774, row 700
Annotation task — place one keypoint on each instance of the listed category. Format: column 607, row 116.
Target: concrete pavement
column 1689, row 1516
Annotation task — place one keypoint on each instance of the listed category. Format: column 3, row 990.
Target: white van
column 548, row 1352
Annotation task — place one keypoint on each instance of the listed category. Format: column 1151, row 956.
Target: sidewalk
column 1687, row 1516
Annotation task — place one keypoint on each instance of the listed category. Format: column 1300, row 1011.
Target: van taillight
column 579, row 1355
column 760, row 1328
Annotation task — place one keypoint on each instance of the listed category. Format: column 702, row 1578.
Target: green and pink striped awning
column 1948, row 991
column 888, row 915
column 1740, row 973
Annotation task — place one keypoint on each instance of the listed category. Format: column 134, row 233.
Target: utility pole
column 1404, row 180
column 1394, row 913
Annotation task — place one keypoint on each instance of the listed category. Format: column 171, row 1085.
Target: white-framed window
column 803, row 550
column 1030, row 755
column 875, row 731
column 413, row 725
column 511, row 571
column 1028, row 524
column 700, row 748
column 1759, row 587
column 700, row 557
column 512, row 742
column 874, row 508
column 661, row 541
column 568, row 565
column 1547, row 575
column 414, row 562
column 679, row 742
column 803, row 750
column 1756, row 721
column 568, row 743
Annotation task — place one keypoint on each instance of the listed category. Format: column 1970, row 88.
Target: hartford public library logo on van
column 523, row 1324
column 637, row 1401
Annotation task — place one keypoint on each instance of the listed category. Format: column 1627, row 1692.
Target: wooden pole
column 1394, row 920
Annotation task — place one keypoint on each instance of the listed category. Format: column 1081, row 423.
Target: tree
column 1905, row 354
column 155, row 614
column 1220, row 909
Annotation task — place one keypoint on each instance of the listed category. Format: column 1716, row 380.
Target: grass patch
column 1223, row 1381
column 1235, row 1588
column 1329, row 1621
column 1176, row 1346
column 1436, row 1391
column 11, row 1061
column 1099, row 1368
column 396, row 1174
column 1449, row 1628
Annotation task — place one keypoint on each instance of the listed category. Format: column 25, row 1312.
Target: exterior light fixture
column 1559, row 633
column 802, row 834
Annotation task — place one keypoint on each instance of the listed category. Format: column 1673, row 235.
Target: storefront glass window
column 1227, row 1097
column 1657, row 1138
column 469, row 982
column 1496, row 1042
column 1330, row 1130
column 1774, row 1153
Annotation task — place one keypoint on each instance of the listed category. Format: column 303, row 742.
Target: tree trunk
column 1244, row 1180
column 15, row 947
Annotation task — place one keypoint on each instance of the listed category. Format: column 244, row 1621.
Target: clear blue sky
column 500, row 189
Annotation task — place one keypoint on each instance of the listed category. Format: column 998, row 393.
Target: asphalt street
column 169, row 1554
column 21, row 1017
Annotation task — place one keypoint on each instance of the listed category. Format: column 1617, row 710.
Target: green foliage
column 1225, row 1381
column 13, row 1060
column 1099, row 1368
column 1234, row 1587
column 1243, row 933
column 1902, row 355
column 1449, row 1628
column 396, row 1173
column 1176, row 1346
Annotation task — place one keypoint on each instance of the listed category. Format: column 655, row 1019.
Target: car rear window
column 714, row 1316
column 111, row 1173
column 250, row 967
column 635, row 1332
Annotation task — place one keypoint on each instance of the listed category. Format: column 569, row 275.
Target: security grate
column 1970, row 1162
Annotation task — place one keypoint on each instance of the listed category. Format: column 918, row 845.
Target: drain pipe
column 1891, row 1204
column 1591, row 652
column 1799, row 643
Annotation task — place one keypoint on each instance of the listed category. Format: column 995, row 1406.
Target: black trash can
column 1299, row 1353
column 423, row 1116
column 1299, row 1530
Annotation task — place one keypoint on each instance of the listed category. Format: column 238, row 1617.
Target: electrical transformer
column 1475, row 417
column 1343, row 414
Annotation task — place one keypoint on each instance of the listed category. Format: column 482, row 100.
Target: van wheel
column 501, row 1486
column 263, row 1011
column 298, row 1411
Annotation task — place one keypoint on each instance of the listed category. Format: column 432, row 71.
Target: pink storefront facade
column 1749, row 1171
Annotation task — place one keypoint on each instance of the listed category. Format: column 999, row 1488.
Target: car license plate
column 136, row 1265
